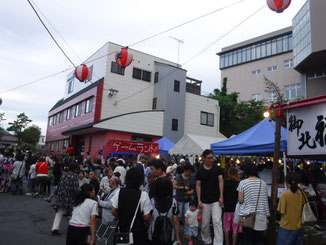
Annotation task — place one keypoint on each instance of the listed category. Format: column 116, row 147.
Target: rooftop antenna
column 179, row 42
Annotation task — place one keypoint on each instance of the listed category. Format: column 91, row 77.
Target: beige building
column 293, row 57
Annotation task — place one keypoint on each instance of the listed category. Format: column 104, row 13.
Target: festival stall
column 164, row 145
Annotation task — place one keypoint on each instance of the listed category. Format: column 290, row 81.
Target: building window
column 89, row 105
column 288, row 63
column 174, row 124
column 78, row 108
column 154, row 103
column 256, row 97
column 272, row 96
column 176, row 86
column 70, row 85
column 256, row 72
column 69, row 112
column 57, row 144
column 50, row 121
column 156, row 77
column 61, row 116
column 141, row 138
column 136, row 73
column 54, row 119
column 115, row 68
column 52, row 146
column 207, row 118
column 90, row 74
column 272, row 68
column 65, row 143
column 292, row 91
column 146, row 76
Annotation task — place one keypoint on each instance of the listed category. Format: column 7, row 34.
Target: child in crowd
column 31, row 180
column 191, row 227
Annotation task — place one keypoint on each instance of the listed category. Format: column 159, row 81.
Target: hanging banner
column 306, row 130
column 125, row 146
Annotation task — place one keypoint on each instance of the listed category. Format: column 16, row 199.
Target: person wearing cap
column 141, row 161
column 180, row 169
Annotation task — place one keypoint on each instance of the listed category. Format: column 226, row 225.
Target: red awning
column 125, row 146
column 305, row 102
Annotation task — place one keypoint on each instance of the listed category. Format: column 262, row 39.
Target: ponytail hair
column 292, row 180
column 83, row 193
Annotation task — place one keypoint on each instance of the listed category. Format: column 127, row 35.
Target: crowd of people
column 152, row 198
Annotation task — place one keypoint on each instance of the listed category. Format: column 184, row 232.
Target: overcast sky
column 27, row 52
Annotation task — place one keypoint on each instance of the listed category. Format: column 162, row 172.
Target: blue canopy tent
column 164, row 145
column 258, row 139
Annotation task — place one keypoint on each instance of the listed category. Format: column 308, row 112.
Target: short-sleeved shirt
column 209, row 184
column 192, row 217
column 230, row 196
column 250, row 190
column 182, row 182
column 290, row 206
column 81, row 215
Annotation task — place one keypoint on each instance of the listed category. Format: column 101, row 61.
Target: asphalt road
column 28, row 221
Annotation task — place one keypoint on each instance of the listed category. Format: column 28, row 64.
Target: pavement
column 27, row 220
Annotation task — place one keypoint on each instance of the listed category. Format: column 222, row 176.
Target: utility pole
column 179, row 42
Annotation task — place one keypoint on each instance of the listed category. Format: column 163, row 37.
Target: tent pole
column 284, row 162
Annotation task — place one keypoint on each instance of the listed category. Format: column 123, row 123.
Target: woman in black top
column 128, row 199
column 230, row 201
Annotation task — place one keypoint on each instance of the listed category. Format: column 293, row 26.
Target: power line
column 57, row 31
column 187, row 22
column 224, row 35
column 35, row 81
column 50, row 33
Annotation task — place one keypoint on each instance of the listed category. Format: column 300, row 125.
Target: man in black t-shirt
column 209, row 188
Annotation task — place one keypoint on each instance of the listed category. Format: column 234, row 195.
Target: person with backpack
column 164, row 229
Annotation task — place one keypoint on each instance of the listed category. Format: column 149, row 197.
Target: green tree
column 1, row 128
column 31, row 135
column 236, row 117
column 19, row 125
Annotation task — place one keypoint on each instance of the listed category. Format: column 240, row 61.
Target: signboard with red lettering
column 125, row 146
column 306, row 129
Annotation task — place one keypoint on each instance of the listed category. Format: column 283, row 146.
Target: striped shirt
column 250, row 190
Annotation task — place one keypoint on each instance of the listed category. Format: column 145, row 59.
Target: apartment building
column 149, row 99
column 293, row 58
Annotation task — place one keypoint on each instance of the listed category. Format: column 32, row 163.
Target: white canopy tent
column 191, row 144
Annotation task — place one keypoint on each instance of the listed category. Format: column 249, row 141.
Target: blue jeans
column 16, row 185
column 290, row 237
column 183, row 208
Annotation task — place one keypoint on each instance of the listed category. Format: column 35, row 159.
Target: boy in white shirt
column 31, row 179
column 191, row 227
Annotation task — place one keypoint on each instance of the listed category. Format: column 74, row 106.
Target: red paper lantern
column 81, row 72
column 199, row 218
column 278, row 5
column 123, row 58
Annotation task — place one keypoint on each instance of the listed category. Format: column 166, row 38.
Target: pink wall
column 54, row 132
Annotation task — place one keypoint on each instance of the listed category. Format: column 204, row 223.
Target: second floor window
column 78, row 109
column 176, row 86
column 136, row 73
column 288, row 63
column 156, row 77
column 60, row 116
column 154, row 103
column 207, row 118
column 256, row 72
column 69, row 112
column 89, row 105
column 174, row 124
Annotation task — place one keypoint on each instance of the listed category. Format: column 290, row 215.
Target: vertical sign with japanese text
column 306, row 130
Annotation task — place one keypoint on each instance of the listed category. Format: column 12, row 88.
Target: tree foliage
column 19, row 125
column 31, row 135
column 1, row 119
column 236, row 117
